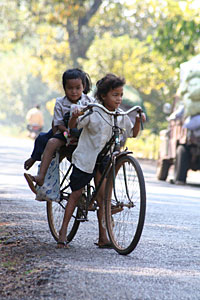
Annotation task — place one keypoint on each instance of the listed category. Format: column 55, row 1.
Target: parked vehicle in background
column 180, row 142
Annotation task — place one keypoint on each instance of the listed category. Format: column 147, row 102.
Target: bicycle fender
column 123, row 153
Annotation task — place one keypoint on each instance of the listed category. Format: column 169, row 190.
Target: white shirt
column 96, row 133
column 63, row 105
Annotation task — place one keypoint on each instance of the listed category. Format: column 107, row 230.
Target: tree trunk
column 81, row 35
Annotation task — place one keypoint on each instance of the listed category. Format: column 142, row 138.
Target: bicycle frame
column 124, row 197
column 114, row 155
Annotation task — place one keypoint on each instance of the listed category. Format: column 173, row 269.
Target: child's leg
column 49, row 151
column 103, row 238
column 69, row 209
column 78, row 180
column 39, row 146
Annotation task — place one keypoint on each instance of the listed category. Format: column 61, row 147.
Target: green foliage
column 144, row 41
column 146, row 145
column 20, row 90
column 143, row 68
column 177, row 38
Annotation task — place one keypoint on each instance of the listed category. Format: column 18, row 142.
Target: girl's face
column 74, row 89
column 113, row 98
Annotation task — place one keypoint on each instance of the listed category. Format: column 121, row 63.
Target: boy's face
column 113, row 98
column 74, row 89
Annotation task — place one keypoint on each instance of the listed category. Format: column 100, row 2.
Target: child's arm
column 73, row 119
column 136, row 127
column 54, row 128
column 62, row 128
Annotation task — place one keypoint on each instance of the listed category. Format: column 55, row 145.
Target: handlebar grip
column 141, row 122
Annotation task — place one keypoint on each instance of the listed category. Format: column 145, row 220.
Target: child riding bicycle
column 96, row 131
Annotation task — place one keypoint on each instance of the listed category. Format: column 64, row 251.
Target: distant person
column 35, row 121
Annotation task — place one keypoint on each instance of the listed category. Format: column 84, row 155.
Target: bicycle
column 125, row 194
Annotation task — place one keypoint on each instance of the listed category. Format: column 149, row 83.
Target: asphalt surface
column 164, row 265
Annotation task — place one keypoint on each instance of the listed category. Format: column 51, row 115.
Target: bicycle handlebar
column 113, row 113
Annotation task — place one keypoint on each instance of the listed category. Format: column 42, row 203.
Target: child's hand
column 143, row 117
column 76, row 111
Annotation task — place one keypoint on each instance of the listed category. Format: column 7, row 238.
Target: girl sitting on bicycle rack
column 97, row 130
column 42, row 139
column 76, row 84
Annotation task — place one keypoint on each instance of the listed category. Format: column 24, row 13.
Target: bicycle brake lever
column 87, row 114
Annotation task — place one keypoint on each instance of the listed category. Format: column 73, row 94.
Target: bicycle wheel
column 126, row 205
column 56, row 210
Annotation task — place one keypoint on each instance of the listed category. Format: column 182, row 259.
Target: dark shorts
column 60, row 136
column 40, row 144
column 75, row 133
column 79, row 179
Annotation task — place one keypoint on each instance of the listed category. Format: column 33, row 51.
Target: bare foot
column 104, row 243
column 62, row 245
column 38, row 179
column 107, row 245
column 62, row 242
column 28, row 163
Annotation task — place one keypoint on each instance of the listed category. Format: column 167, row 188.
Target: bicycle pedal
column 82, row 219
column 116, row 210
column 92, row 208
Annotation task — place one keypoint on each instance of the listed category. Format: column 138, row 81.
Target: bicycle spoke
column 125, row 216
column 55, row 211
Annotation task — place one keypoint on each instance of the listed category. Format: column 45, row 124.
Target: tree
column 177, row 37
column 124, row 37
column 20, row 90
column 180, row 38
column 144, row 69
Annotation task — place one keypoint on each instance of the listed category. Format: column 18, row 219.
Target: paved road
column 164, row 265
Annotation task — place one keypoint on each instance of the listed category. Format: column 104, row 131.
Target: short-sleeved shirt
column 35, row 117
column 63, row 105
column 97, row 131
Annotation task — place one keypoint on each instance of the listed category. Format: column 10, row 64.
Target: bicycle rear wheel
column 56, row 210
column 126, row 205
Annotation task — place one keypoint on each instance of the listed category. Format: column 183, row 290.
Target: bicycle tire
column 56, row 210
column 125, row 222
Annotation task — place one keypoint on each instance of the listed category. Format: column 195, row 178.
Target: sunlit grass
column 146, row 145
column 13, row 131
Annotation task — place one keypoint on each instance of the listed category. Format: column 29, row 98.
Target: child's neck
column 73, row 102
column 108, row 108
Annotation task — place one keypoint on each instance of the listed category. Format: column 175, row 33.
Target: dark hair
column 77, row 73
column 107, row 83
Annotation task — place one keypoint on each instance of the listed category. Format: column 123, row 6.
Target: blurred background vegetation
column 143, row 41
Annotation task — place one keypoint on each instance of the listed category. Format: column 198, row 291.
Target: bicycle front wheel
column 56, row 210
column 125, row 204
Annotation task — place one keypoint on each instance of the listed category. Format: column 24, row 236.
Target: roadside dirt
column 24, row 265
column 29, row 259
